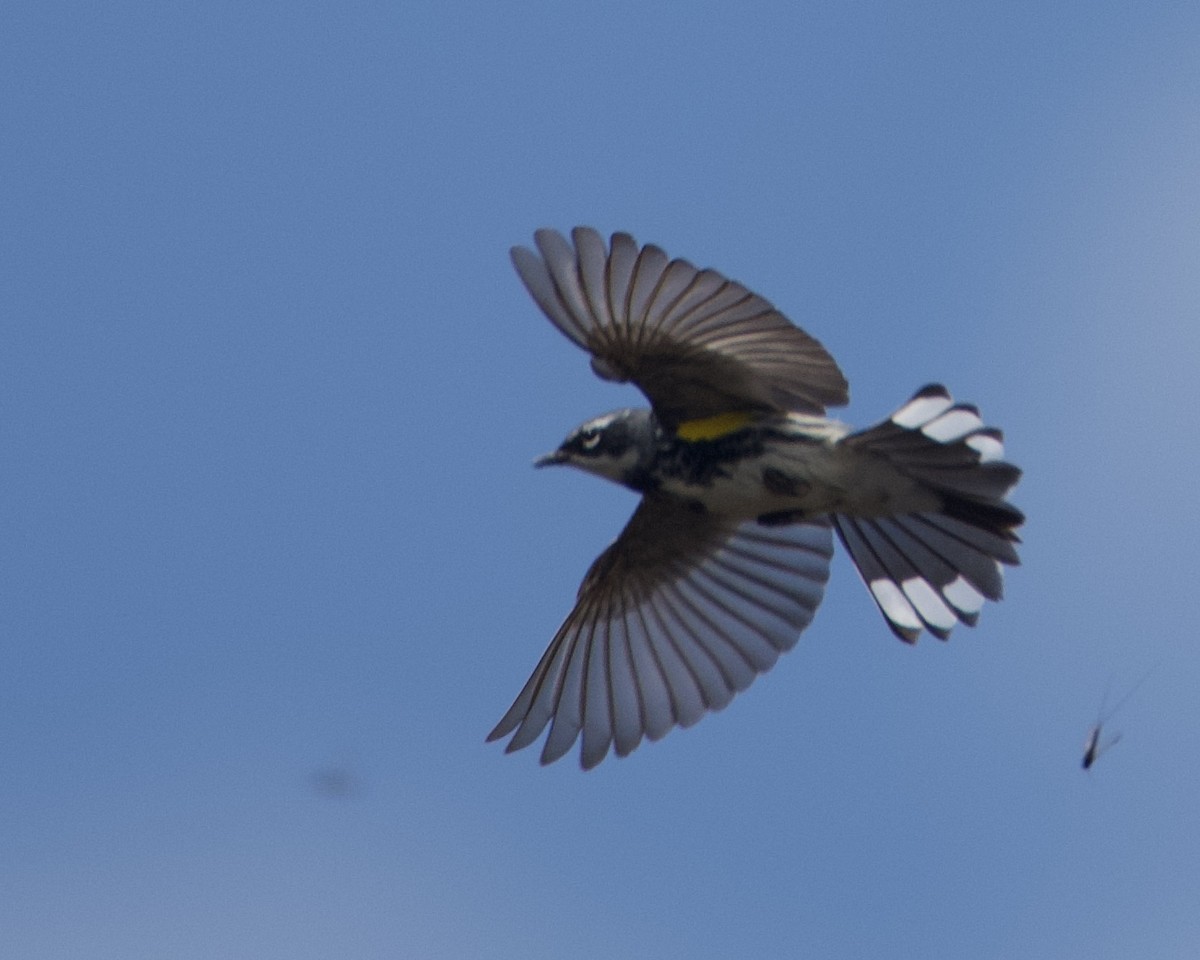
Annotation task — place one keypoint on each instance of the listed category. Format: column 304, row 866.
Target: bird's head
column 618, row 446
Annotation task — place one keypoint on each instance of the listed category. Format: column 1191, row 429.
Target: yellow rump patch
column 712, row 428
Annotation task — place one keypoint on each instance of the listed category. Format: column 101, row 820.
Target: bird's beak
column 551, row 459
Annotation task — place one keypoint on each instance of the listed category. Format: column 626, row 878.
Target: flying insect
column 1093, row 746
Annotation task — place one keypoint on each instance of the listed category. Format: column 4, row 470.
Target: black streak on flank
column 699, row 462
column 784, row 484
column 782, row 518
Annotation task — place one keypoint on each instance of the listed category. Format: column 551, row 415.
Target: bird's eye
column 590, row 439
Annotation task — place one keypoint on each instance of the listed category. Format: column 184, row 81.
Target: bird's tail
column 932, row 570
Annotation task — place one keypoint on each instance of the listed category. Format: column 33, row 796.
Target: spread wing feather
column 696, row 343
column 673, row 619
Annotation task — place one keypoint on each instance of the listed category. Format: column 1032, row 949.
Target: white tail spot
column 895, row 605
column 930, row 606
column 963, row 596
column 953, row 425
column 921, row 410
column 988, row 448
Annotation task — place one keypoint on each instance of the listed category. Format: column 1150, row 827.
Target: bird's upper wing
column 673, row 619
column 696, row 343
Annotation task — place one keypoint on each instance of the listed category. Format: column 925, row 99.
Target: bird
column 744, row 481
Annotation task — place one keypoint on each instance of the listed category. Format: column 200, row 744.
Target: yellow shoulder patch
column 712, row 428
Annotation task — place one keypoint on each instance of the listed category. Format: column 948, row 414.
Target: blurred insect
column 1094, row 747
column 335, row 780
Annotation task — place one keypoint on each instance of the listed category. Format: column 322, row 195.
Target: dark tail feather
column 932, row 570
column 997, row 518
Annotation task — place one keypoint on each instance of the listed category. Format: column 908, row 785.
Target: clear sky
column 273, row 559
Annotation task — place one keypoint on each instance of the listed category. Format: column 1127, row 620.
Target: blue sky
column 269, row 396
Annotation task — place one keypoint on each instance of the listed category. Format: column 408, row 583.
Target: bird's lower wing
column 673, row 619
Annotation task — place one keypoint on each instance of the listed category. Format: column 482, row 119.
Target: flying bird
column 743, row 481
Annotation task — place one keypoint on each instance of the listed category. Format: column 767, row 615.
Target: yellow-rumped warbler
column 743, row 479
